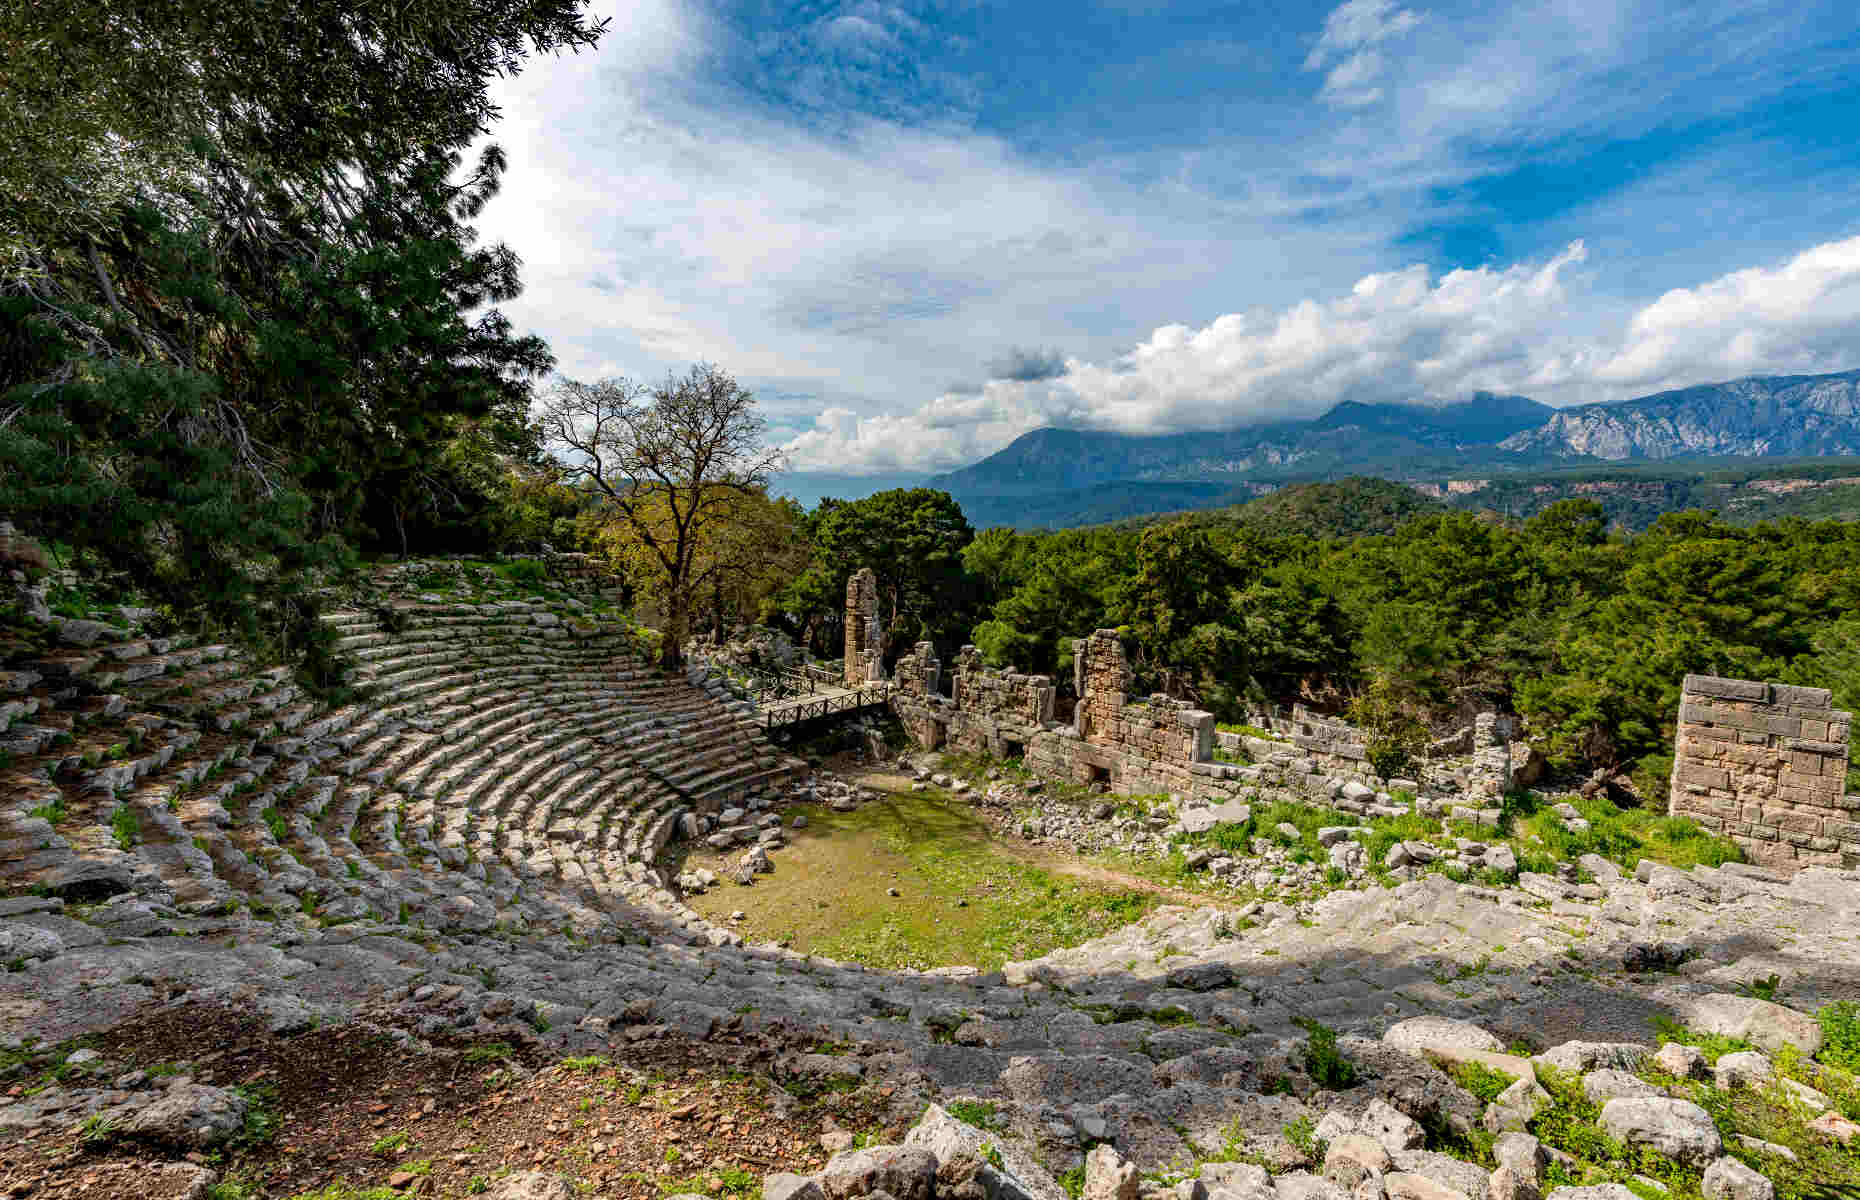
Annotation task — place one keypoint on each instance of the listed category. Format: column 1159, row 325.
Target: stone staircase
column 507, row 766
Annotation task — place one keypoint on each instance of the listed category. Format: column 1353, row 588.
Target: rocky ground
column 296, row 1053
column 1162, row 1038
column 268, row 1114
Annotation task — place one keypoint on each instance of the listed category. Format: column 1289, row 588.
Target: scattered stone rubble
column 1368, row 1144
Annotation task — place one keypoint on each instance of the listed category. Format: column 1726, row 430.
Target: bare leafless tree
column 671, row 461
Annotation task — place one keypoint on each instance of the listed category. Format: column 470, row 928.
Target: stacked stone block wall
column 1766, row 764
column 1491, row 750
column 865, row 639
column 1156, row 728
column 919, row 673
column 1002, row 695
column 1319, row 735
column 1129, row 745
column 918, row 701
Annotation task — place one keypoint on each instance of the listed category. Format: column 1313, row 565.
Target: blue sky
column 917, row 230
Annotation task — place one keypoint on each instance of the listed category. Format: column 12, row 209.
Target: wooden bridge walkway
column 825, row 701
column 804, row 693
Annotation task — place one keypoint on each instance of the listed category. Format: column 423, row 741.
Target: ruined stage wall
column 1766, row 764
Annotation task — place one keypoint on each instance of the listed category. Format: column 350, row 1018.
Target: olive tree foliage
column 675, row 466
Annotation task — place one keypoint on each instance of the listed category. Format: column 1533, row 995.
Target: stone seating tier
column 503, row 760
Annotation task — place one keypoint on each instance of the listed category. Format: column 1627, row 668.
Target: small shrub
column 391, row 1144
column 125, row 827
column 1324, row 1063
column 97, row 1129
column 1713, row 1046
column 275, row 822
column 1840, row 1035
column 1392, row 738
column 526, row 571
column 261, row 1116
column 1485, row 1082
column 490, row 1052
column 1761, row 989
column 979, row 1113
column 1302, row 1133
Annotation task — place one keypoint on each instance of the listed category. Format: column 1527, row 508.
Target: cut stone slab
column 1395, row 1129
column 531, row 1185
column 1108, row 1176
column 1462, row 1178
column 1578, row 1058
column 192, row 1116
column 1237, row 1181
column 1302, row 1185
column 1523, row 1153
column 1509, row 1184
column 1678, row 1059
column 1602, row 1086
column 1746, row 1067
column 1403, row 1185
column 1353, row 1158
column 906, row 1173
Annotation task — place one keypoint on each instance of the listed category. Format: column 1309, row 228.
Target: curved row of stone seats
column 506, row 767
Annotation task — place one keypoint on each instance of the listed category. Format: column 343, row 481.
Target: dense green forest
column 1583, row 631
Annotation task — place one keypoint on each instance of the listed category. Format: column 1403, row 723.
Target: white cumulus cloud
column 1403, row 336
column 1802, row 317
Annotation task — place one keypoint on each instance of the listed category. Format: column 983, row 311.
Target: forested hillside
column 1343, row 509
column 1633, row 497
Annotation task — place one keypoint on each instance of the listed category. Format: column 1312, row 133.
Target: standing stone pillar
column 1104, row 681
column 865, row 637
column 1491, row 756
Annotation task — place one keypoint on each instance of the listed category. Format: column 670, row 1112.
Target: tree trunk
column 672, row 643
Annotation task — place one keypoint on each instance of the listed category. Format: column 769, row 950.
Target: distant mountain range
column 1036, row 479
column 1778, row 415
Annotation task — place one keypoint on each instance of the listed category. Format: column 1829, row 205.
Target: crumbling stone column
column 865, row 635
column 920, row 672
column 1103, row 675
column 1491, row 756
column 1766, row 764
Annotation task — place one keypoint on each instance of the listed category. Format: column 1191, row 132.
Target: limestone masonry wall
column 1766, row 764
column 865, row 636
column 1009, row 696
column 1157, row 728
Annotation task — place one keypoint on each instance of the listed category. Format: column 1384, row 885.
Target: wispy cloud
column 1348, row 47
